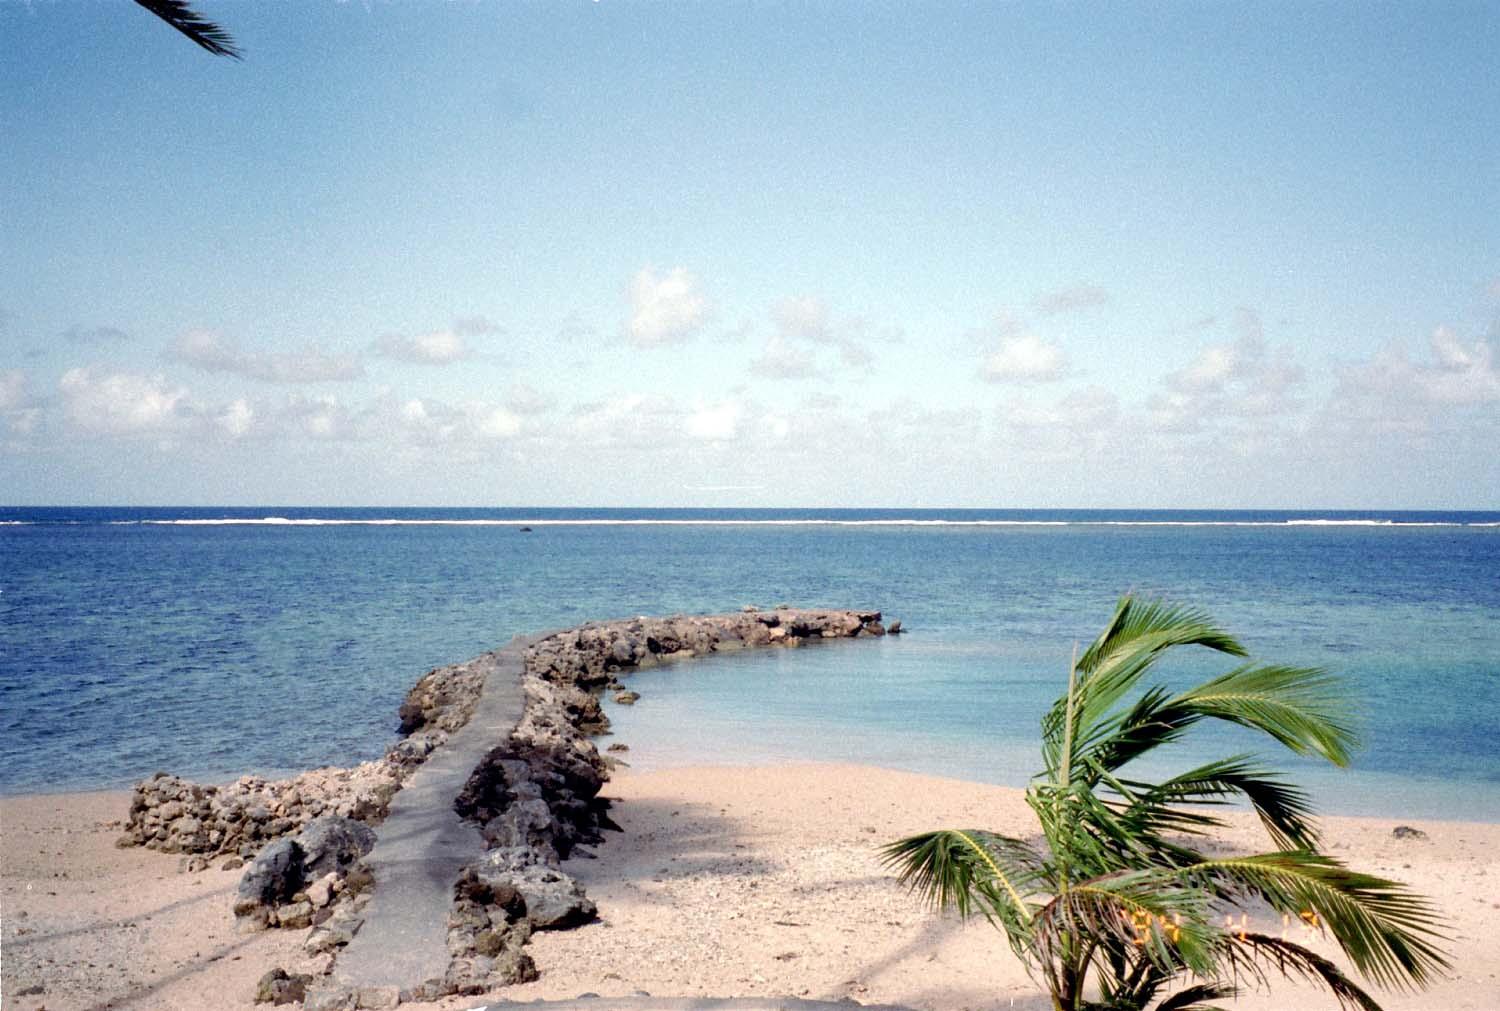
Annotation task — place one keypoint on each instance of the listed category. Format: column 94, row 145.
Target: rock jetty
column 533, row 797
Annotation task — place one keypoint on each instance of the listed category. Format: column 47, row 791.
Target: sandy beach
column 725, row 882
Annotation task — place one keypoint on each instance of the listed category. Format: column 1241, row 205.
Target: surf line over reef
column 502, row 744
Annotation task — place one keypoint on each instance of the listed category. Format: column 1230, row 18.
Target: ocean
column 213, row 642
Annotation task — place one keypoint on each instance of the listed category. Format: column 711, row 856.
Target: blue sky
column 617, row 253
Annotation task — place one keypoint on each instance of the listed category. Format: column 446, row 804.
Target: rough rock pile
column 444, row 698
column 293, row 882
column 498, row 903
column 174, row 815
column 535, row 797
column 592, row 655
column 540, row 788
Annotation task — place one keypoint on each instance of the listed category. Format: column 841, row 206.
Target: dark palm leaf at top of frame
column 195, row 26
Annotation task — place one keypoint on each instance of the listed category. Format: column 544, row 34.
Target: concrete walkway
column 422, row 845
column 688, row 1004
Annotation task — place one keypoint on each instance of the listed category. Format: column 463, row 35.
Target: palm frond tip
column 181, row 16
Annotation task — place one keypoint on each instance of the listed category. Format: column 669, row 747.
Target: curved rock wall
column 535, row 797
column 551, row 758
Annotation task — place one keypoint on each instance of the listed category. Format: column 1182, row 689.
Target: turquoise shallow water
column 215, row 642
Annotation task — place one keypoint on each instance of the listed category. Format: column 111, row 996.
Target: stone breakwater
column 533, row 797
column 174, row 815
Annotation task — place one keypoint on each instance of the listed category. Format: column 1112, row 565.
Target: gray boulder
column 623, row 652
column 272, row 878
column 553, row 900
column 527, row 822
column 327, row 845
column 281, row 987
column 333, row 844
column 328, row 995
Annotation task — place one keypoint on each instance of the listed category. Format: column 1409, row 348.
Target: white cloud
column 665, row 310
column 14, row 390
column 1089, row 411
column 1392, row 393
column 400, row 424
column 1214, row 366
column 855, row 354
column 780, row 360
column 476, row 326
column 415, row 412
column 122, row 403
column 495, row 422
column 19, row 410
column 237, row 418
column 523, row 399
column 1247, row 325
column 1073, row 299
column 806, row 318
column 905, row 424
column 1239, row 379
column 634, row 423
column 441, row 347
column 716, row 421
column 638, row 421
column 319, row 418
column 1464, row 374
column 1025, row 358
column 211, row 352
column 1174, row 412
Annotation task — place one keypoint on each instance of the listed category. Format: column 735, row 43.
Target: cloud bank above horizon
column 1096, row 268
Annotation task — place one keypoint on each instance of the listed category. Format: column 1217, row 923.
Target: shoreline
column 760, row 880
column 726, row 881
column 1318, row 781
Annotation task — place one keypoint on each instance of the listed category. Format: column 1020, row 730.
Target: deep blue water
column 138, row 639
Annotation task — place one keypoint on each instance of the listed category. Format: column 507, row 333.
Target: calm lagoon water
column 214, row 642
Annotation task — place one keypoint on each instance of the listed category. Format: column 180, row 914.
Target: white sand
column 726, row 882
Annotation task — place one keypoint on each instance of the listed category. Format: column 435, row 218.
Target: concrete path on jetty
column 688, row 1004
column 423, row 844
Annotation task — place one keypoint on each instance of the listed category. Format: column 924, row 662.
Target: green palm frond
column 1285, row 810
column 1250, row 954
column 1303, row 708
column 971, row 871
column 1088, row 836
column 1163, row 919
column 1389, row 933
column 1146, row 725
column 181, row 16
column 1158, row 624
column 1120, row 901
column 1114, row 663
column 1191, row 998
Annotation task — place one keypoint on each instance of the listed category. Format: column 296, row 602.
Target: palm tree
column 1119, row 900
column 181, row 16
